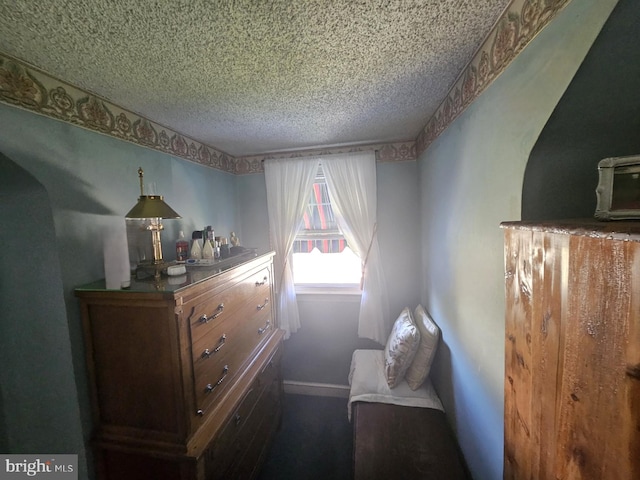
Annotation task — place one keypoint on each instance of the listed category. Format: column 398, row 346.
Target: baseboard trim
column 316, row 389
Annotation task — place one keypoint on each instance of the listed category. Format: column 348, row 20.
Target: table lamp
column 153, row 208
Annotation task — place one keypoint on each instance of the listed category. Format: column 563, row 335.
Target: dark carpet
column 315, row 441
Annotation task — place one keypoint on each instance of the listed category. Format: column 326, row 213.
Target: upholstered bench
column 399, row 432
column 392, row 441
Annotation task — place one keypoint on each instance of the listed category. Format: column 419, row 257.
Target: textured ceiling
column 250, row 77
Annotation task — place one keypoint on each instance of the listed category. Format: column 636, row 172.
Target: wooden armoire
column 572, row 370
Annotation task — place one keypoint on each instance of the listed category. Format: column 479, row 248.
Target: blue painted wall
column 470, row 180
column 89, row 182
column 37, row 384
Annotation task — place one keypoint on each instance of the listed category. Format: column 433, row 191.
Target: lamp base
column 147, row 269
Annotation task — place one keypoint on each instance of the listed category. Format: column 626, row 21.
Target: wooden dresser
column 572, row 376
column 184, row 372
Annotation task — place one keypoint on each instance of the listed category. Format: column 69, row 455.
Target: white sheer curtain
column 289, row 183
column 351, row 182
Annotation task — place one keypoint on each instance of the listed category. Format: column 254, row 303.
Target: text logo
column 50, row 467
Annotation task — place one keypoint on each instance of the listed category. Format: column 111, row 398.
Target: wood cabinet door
column 572, row 356
column 598, row 424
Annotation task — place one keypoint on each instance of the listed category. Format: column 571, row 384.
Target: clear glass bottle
column 182, row 248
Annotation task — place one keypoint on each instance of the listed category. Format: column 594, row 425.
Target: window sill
column 350, row 290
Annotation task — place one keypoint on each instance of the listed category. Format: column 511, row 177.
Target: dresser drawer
column 203, row 314
column 267, row 417
column 230, row 443
column 224, row 351
column 254, row 438
column 246, row 426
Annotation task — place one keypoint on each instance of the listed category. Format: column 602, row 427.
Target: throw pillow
column 429, row 337
column 400, row 348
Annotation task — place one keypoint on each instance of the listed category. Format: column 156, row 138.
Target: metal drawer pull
column 238, row 419
column 205, row 319
column 266, row 327
column 207, row 353
column 223, row 338
column 264, row 280
column 260, row 307
column 209, row 388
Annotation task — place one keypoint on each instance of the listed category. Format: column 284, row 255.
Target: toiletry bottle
column 196, row 249
column 224, row 247
column 207, row 249
column 182, row 248
column 211, row 235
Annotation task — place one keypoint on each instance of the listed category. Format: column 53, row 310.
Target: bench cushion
column 368, row 384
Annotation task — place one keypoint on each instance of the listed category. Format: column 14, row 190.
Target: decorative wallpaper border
column 29, row 88
column 521, row 21
column 385, row 152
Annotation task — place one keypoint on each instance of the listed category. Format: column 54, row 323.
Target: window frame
column 331, row 234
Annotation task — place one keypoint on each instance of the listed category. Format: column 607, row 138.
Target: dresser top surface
column 174, row 284
column 626, row 230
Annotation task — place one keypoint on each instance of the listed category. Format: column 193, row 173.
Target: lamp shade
column 151, row 206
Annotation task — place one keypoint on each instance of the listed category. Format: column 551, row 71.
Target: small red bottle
column 182, row 248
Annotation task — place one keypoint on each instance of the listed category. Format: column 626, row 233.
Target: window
column 321, row 256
